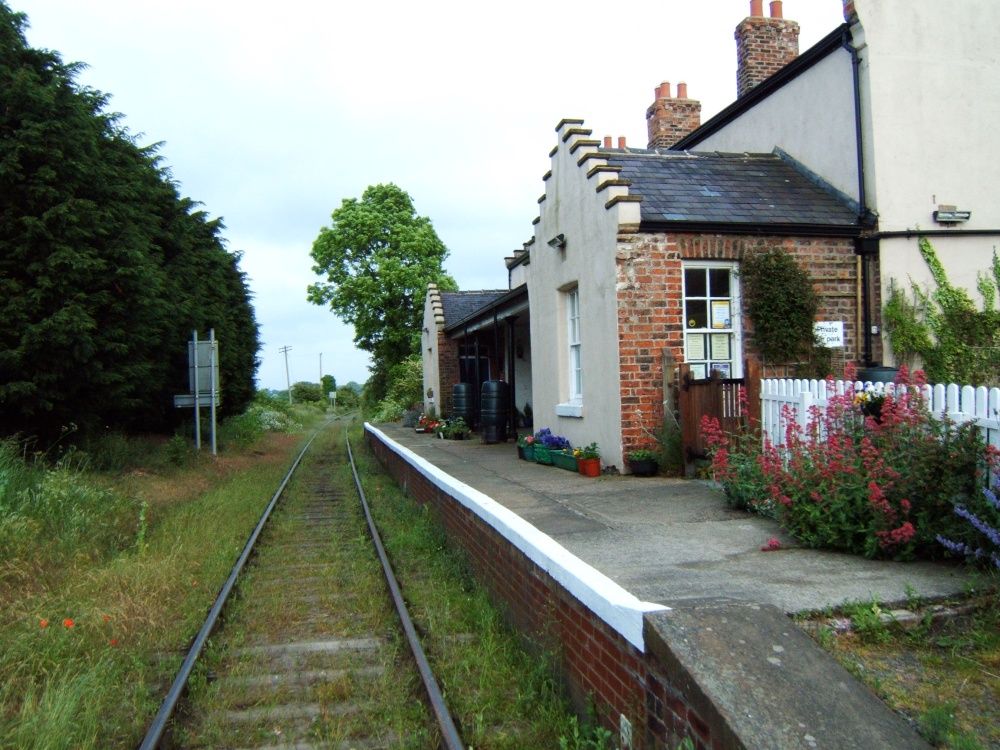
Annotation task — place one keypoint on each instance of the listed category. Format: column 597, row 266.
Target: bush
column 63, row 508
column 979, row 540
column 883, row 487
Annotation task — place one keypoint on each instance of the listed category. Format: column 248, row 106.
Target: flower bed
column 886, row 487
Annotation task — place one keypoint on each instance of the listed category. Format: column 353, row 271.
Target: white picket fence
column 961, row 404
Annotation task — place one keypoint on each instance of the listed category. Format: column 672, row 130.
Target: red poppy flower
column 68, row 623
column 43, row 623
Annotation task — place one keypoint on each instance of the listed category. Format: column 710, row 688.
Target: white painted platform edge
column 620, row 610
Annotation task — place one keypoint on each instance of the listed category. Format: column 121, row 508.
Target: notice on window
column 722, row 368
column 698, row 372
column 720, row 346
column 696, row 347
column 721, row 317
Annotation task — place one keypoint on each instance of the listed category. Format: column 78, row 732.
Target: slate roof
column 758, row 189
column 460, row 305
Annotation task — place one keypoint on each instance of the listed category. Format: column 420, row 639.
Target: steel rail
column 159, row 725
column 449, row 733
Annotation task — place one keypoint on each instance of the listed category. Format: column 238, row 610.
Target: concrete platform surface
column 667, row 540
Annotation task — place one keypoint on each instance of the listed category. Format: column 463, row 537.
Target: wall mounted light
column 950, row 215
column 558, row 242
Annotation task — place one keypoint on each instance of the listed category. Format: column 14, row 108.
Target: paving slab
column 667, row 540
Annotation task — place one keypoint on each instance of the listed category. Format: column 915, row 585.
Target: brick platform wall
column 599, row 665
column 649, row 280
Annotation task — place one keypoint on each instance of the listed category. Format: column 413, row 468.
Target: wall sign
column 830, row 332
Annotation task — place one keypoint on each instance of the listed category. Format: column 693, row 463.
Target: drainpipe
column 864, row 254
column 512, row 406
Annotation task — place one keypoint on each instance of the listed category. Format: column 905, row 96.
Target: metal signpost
column 203, row 383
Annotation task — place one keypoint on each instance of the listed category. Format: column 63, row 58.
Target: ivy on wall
column 781, row 302
column 955, row 341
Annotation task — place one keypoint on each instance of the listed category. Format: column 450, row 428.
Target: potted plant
column 456, row 429
column 871, row 401
column 588, row 460
column 545, row 443
column 526, row 447
column 564, row 459
column 643, row 463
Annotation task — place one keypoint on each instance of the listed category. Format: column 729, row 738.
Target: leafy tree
column 104, row 269
column 306, row 392
column 347, row 398
column 328, row 385
column 378, row 257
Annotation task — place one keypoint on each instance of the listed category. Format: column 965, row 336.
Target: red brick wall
column 448, row 369
column 650, row 309
column 599, row 665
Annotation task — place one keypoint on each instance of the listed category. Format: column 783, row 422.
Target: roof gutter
column 760, row 229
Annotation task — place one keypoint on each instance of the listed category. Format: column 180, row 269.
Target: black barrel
column 463, row 403
column 495, row 411
column 878, row 374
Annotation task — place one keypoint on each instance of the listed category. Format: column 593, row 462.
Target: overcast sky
column 271, row 117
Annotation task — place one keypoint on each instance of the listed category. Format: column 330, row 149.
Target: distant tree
column 378, row 257
column 328, row 385
column 307, row 392
column 347, row 397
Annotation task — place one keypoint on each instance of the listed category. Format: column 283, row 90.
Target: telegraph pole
column 284, row 350
column 321, row 371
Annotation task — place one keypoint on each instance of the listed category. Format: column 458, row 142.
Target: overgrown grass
column 502, row 695
column 105, row 578
column 943, row 674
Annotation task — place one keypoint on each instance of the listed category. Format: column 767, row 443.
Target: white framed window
column 573, row 342
column 713, row 337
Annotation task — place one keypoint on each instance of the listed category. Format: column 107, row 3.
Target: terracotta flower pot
column 590, row 467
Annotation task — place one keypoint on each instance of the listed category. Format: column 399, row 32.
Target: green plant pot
column 564, row 460
column 543, row 455
column 529, row 452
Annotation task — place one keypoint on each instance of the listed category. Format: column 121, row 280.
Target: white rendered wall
column 575, row 209
column 811, row 118
column 931, row 77
column 429, row 355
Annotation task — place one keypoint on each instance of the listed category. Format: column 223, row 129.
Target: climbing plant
column 955, row 340
column 781, row 302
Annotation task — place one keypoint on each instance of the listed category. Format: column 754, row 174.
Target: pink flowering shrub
column 884, row 487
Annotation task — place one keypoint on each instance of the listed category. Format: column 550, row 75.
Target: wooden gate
column 716, row 397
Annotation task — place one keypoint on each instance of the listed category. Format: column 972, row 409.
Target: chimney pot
column 776, row 9
column 756, row 8
column 663, row 90
column 682, row 90
column 607, row 141
column 621, row 141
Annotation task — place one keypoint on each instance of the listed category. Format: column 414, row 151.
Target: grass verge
column 93, row 631
column 940, row 669
column 502, row 696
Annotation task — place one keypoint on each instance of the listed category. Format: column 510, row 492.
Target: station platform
column 668, row 540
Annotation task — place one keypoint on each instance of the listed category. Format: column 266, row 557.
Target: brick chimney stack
column 668, row 119
column 763, row 45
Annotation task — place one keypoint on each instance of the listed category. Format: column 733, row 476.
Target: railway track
column 312, row 654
